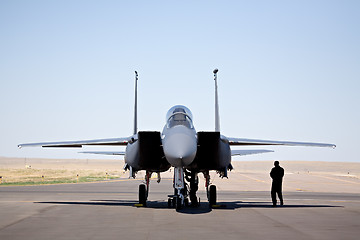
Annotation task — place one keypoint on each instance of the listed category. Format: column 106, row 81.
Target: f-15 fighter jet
column 180, row 146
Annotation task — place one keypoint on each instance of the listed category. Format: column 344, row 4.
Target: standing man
column 193, row 179
column 277, row 174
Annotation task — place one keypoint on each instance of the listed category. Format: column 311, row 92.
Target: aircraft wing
column 245, row 141
column 79, row 144
column 248, row 152
column 106, row 153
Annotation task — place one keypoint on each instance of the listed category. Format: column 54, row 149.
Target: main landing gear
column 210, row 190
column 143, row 194
column 144, row 188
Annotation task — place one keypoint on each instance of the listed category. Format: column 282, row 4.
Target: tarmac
column 317, row 206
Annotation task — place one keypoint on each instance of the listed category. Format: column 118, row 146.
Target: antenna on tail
column 217, row 116
column 135, row 106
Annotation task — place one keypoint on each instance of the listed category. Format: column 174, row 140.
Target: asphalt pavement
column 106, row 210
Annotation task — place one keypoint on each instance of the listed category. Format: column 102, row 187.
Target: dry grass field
column 20, row 171
column 30, row 171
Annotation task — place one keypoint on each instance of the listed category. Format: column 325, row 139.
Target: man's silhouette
column 193, row 179
column 277, row 174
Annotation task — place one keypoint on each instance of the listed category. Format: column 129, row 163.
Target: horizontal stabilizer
column 244, row 141
column 248, row 152
column 106, row 153
column 79, row 144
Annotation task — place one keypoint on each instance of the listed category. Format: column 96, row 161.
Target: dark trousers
column 193, row 189
column 276, row 188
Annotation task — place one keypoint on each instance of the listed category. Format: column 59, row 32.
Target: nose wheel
column 175, row 201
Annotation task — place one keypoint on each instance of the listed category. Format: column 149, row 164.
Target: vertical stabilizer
column 135, row 105
column 217, row 116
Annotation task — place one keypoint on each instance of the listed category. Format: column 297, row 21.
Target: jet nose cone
column 180, row 154
column 180, row 149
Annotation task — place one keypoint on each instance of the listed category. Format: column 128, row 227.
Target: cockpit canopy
column 179, row 115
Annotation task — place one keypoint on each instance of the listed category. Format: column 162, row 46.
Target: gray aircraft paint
column 179, row 141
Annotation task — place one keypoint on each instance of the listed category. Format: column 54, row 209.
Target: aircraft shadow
column 242, row 204
column 129, row 203
column 203, row 208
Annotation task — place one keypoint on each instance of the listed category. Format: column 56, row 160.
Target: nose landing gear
column 180, row 197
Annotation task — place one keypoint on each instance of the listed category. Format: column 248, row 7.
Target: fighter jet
column 179, row 146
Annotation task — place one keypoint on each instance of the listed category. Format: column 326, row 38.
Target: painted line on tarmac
column 297, row 199
column 252, row 178
column 96, row 193
column 101, row 181
column 341, row 180
column 50, row 184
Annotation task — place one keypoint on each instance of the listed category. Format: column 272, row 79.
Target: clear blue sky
column 288, row 70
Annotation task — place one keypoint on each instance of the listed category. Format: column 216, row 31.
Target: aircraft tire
column 142, row 194
column 178, row 203
column 174, row 202
column 186, row 202
column 212, row 199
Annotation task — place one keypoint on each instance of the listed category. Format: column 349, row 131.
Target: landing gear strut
column 179, row 199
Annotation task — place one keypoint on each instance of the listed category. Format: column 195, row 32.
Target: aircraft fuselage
column 178, row 145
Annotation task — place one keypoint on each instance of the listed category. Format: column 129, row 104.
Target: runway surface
column 316, row 207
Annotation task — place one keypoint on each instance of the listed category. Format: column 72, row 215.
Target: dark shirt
column 277, row 174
